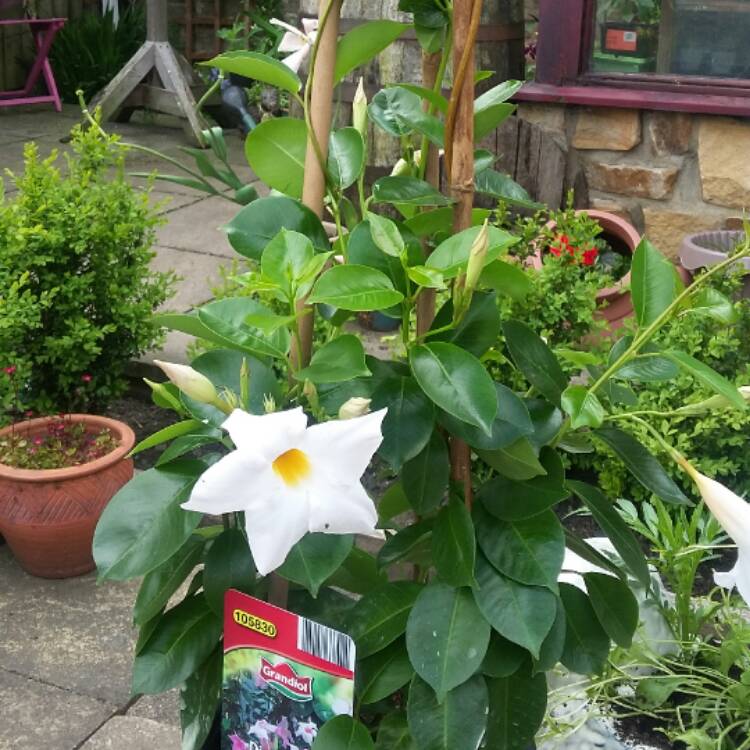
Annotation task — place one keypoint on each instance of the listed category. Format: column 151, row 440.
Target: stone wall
column 671, row 174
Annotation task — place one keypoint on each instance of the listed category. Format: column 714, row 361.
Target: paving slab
column 164, row 708
column 69, row 633
column 168, row 202
column 174, row 349
column 36, row 715
column 198, row 273
column 134, row 733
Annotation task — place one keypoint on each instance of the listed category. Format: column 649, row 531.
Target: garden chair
column 44, row 31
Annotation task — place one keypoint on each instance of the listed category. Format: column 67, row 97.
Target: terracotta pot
column 709, row 248
column 48, row 516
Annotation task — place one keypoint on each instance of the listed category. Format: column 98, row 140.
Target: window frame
column 565, row 40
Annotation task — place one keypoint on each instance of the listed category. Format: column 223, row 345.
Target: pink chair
column 44, row 31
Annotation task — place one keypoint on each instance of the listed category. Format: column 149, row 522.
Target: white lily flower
column 298, row 42
column 733, row 513
column 289, row 479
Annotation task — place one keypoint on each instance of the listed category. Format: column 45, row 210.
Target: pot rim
column 123, row 432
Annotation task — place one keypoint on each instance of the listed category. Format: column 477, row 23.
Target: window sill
column 612, row 96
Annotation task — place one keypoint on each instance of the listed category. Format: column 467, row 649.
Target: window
column 659, row 54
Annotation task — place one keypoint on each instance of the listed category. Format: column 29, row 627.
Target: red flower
column 10, row 370
column 38, row 441
column 555, row 251
column 86, row 377
column 590, row 256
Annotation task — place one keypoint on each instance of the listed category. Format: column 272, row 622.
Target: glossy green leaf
column 184, row 638
column 507, row 279
column 503, row 658
column 456, row 381
column 517, row 706
column 143, row 525
column 315, row 558
column 487, row 119
column 504, row 188
column 340, row 359
column 256, row 224
column 358, row 574
column 615, row 606
column 394, row 733
column 160, row 584
column 206, row 435
column 199, row 699
column 167, row 433
column 615, row 528
column 654, row 283
column 446, row 637
column 457, row 722
column 553, row 645
column 427, row 277
column 384, row 673
column 711, row 303
column 642, row 465
column 429, row 223
column 260, row 67
column 410, row 543
column 346, row 156
column 522, row 614
column 584, row 407
column 380, row 617
column 393, row 503
column 708, row 377
column 353, row 287
column 451, row 256
column 592, row 555
column 586, row 644
column 431, row 40
column 364, row 42
column 477, row 330
column 229, row 565
column 407, row 190
column 385, row 235
column 276, row 152
column 343, row 733
column 529, row 551
column 396, row 110
column 424, row 478
column 648, row 368
column 286, row 258
column 497, row 94
column 517, row 461
column 454, row 547
column 437, row 100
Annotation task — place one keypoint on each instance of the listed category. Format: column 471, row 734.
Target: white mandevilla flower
column 289, row 479
column 299, row 43
column 191, row 382
column 356, row 406
column 733, row 513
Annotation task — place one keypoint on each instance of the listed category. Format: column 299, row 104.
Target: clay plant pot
column 48, row 516
column 709, row 248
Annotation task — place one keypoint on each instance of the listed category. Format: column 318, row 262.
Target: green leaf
column 709, row 377
column 380, row 617
column 517, row 706
column 167, row 433
column 358, row 574
column 424, row 478
column 427, row 277
column 504, row 188
column 406, row 544
column 353, row 287
column 478, row 329
column 364, row 42
column 437, row 100
column 393, row 503
column 616, row 529
column 159, row 584
column 446, row 637
column 535, row 360
column 384, row 673
column 586, row 644
column 286, row 258
column 517, row 461
column 262, row 68
column 454, row 548
column 199, row 699
column 385, row 235
column 143, row 525
column 256, row 224
column 343, row 733
column 522, row 614
column 407, row 190
column 615, row 606
column 276, row 152
column 648, row 368
column 456, row 381
column 315, row 558
column 503, row 658
column 229, row 565
column 584, row 407
column 654, row 283
column 451, row 256
column 399, row 112
column 552, row 648
column 711, row 303
column 187, row 443
column 487, row 119
column 592, row 555
column 394, row 734
column 497, row 94
column 456, row 723
column 507, row 279
column 180, row 643
column 346, row 156
column 431, row 40
column 642, row 465
column 343, row 358
column 529, row 551
column 430, row 223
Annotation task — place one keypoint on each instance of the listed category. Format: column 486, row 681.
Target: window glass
column 679, row 37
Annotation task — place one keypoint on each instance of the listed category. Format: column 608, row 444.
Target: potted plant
column 56, row 476
column 709, row 248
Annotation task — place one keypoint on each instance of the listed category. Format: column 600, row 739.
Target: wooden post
column 466, row 15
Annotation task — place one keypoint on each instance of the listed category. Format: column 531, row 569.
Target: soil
column 642, row 730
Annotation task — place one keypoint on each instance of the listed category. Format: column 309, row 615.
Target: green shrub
column 76, row 292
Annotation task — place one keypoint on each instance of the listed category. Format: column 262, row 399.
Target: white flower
column 299, row 43
column 733, row 513
column 306, row 730
column 355, row 407
column 262, row 729
column 191, row 382
column 290, row 479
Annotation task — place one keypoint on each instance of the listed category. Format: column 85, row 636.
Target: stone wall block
column 599, row 129
column 723, row 148
column 666, row 229
column 670, row 132
column 637, row 181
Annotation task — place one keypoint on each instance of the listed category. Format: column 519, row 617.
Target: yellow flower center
column 293, row 466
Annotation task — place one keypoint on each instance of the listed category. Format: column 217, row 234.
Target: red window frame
column 566, row 33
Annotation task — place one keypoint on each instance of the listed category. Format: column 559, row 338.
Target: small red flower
column 10, row 370
column 29, row 413
column 590, row 256
column 86, row 378
column 555, row 251
column 38, row 441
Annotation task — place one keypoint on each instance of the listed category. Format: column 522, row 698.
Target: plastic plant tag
column 284, row 676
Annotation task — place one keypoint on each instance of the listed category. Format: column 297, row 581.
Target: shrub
column 76, row 291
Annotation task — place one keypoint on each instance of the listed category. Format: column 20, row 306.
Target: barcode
column 325, row 643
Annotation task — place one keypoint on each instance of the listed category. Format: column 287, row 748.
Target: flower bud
column 713, row 403
column 355, row 407
column 359, row 110
column 189, row 381
column 269, row 404
column 477, row 256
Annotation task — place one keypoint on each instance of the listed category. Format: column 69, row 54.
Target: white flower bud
column 713, row 403
column 477, row 256
column 359, row 110
column 189, row 381
column 355, row 407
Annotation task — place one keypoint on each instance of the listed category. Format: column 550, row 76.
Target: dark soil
column 642, row 729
